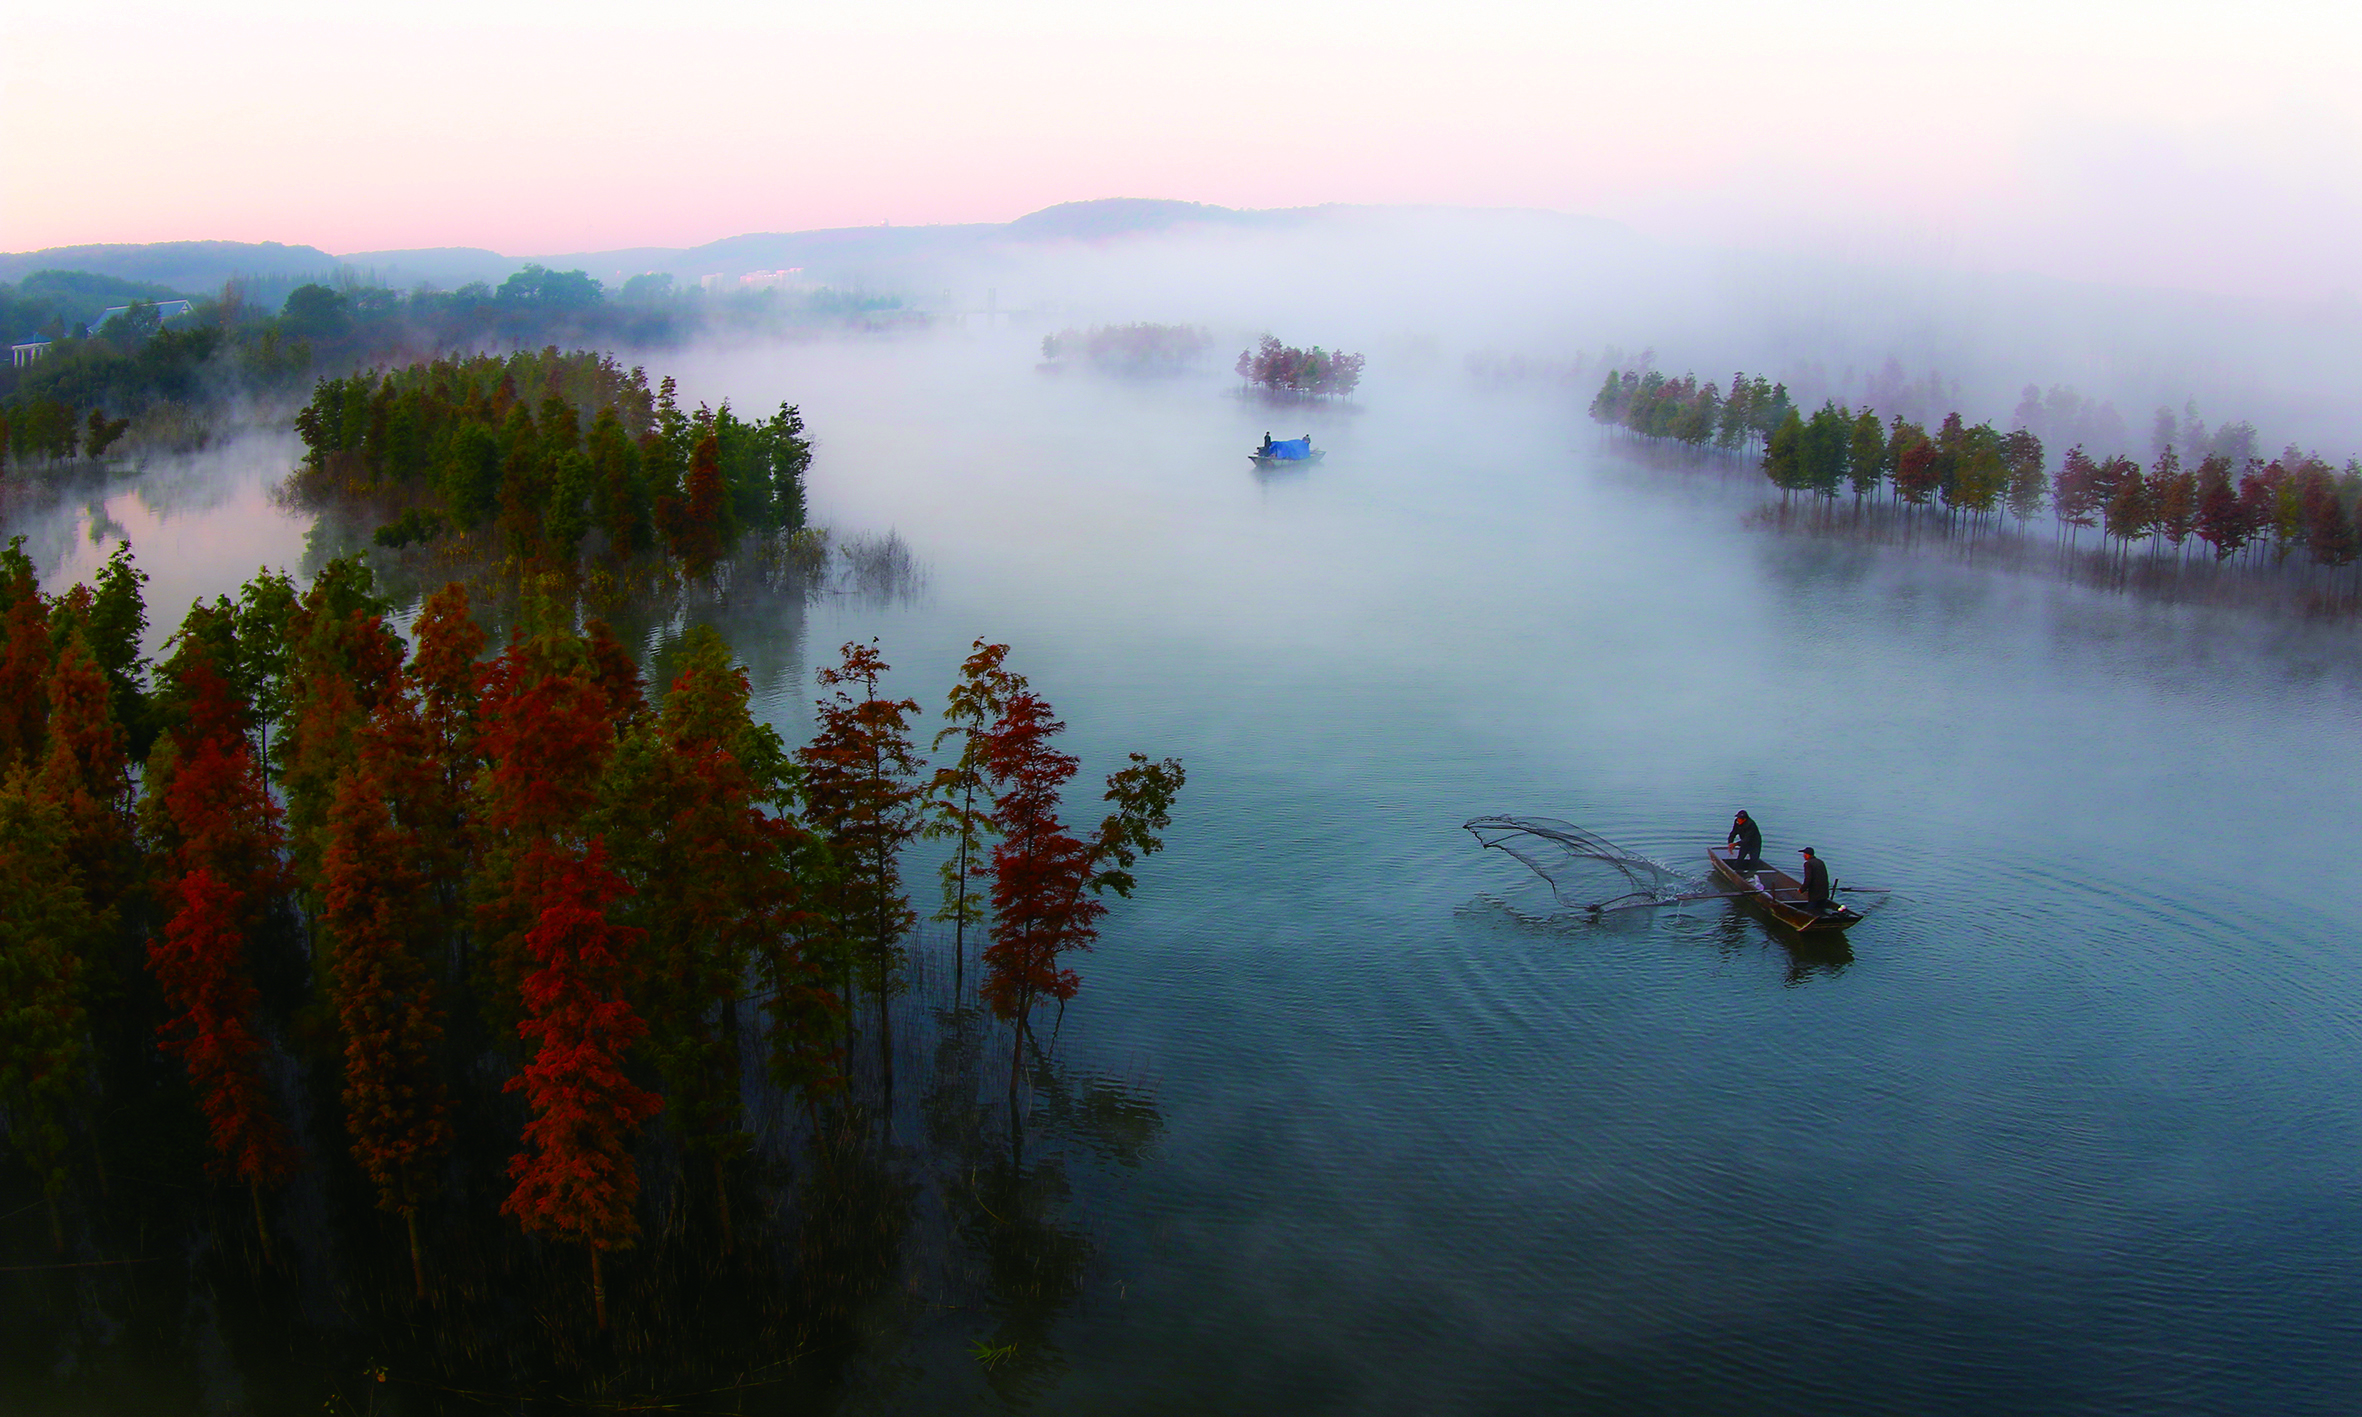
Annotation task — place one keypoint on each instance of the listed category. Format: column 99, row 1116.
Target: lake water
column 2072, row 1126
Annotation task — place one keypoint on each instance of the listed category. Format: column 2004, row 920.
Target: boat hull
column 1779, row 895
column 1268, row 464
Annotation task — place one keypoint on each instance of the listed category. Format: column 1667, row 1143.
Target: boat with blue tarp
column 1286, row 452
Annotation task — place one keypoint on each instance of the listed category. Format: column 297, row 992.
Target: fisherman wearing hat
column 1816, row 882
column 1748, row 838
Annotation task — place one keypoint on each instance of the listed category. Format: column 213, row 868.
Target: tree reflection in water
column 1027, row 1253
column 933, row 1259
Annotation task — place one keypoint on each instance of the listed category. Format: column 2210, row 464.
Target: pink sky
column 2201, row 147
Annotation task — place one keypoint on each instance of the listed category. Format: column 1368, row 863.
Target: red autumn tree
column 575, row 1179
column 544, row 735
column 2329, row 532
column 696, row 524
column 1041, row 904
column 547, row 732
column 616, row 673
column 2219, row 523
column 861, row 796
column 213, row 1031
column 217, row 834
column 2077, row 495
column 342, row 662
column 2259, row 503
column 1044, row 880
column 380, row 920
column 1918, row 470
column 86, row 773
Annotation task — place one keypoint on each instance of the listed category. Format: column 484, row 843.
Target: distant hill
column 444, row 267
column 842, row 256
column 191, row 267
column 1125, row 216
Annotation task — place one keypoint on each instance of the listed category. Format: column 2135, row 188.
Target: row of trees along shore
column 1277, row 368
column 304, row 856
column 140, row 383
column 1130, row 349
column 547, row 457
column 1972, row 480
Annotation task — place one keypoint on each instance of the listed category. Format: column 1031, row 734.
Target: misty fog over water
column 2068, row 1126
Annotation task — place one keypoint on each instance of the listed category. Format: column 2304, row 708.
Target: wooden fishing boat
column 1286, row 453
column 1777, row 893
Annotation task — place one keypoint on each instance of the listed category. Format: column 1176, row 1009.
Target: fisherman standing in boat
column 1816, row 883
column 1748, row 838
column 1265, row 450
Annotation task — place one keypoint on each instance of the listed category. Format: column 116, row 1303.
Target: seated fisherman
column 1748, row 838
column 1816, row 883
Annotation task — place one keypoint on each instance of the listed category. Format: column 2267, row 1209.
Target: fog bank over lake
column 2068, row 1125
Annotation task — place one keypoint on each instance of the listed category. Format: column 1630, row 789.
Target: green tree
column 2029, row 482
column 524, row 484
column 314, row 312
column 1783, row 455
column 618, row 486
column 1983, row 471
column 1822, row 450
column 44, row 930
column 117, row 626
column 570, row 509
column 953, row 814
column 261, row 626
column 862, row 798
column 470, row 475
column 1866, row 457
column 694, row 807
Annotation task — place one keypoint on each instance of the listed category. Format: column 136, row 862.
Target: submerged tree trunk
column 598, row 1289
column 261, row 1230
column 885, row 1039
column 722, row 1200
column 852, row 1012
column 959, row 922
column 1017, row 1051
column 417, row 1263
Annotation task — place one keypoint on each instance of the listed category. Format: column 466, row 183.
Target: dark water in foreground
column 2071, row 1127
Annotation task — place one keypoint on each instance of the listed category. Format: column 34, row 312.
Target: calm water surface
column 2071, row 1127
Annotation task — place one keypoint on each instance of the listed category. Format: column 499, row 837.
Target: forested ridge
column 470, row 928
column 1973, row 480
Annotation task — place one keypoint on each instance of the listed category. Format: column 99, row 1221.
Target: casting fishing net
column 1585, row 870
